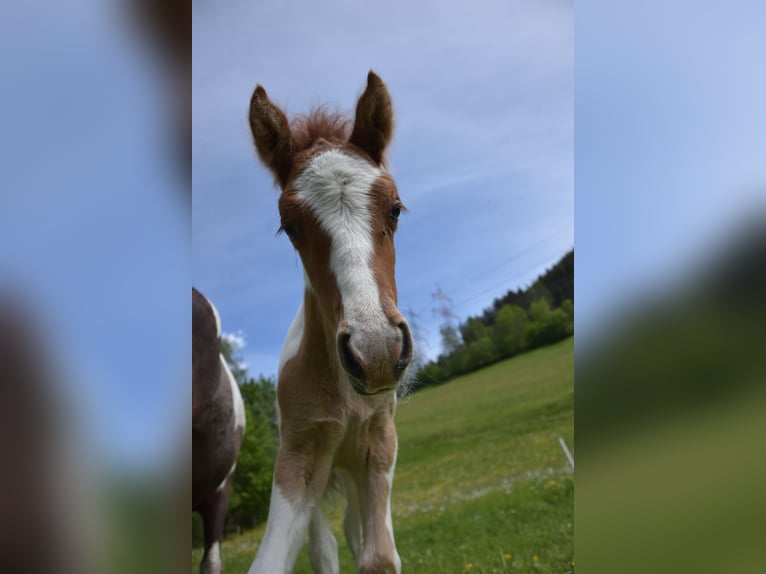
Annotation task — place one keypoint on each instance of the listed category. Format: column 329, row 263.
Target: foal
column 348, row 347
column 218, row 423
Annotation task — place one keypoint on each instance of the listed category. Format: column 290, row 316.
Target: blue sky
column 94, row 233
column 482, row 155
column 670, row 147
column 669, row 156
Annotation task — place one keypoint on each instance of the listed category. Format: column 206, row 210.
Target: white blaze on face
column 336, row 187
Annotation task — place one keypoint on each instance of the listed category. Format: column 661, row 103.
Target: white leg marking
column 323, row 548
column 389, row 521
column 228, row 476
column 285, row 531
column 336, row 187
column 212, row 562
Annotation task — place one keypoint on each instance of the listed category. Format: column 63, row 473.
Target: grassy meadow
column 481, row 484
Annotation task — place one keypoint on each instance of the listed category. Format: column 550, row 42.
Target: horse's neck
column 318, row 343
column 323, row 375
column 318, row 335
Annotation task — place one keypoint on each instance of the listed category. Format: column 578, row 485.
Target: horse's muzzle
column 375, row 363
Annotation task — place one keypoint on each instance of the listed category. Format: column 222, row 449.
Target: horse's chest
column 360, row 437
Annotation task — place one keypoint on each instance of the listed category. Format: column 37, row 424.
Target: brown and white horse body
column 218, row 424
column 348, row 347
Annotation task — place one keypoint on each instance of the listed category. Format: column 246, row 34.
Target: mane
column 320, row 123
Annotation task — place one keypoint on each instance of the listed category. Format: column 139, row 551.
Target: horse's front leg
column 300, row 479
column 379, row 555
column 213, row 517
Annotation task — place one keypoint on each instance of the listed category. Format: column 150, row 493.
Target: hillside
column 481, row 483
column 519, row 321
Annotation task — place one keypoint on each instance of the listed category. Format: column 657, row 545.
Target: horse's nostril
column 348, row 358
column 405, row 356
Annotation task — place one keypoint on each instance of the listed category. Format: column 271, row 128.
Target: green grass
column 481, row 485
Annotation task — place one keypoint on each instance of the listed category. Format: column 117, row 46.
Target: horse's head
column 340, row 210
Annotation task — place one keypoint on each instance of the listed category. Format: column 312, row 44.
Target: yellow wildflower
column 507, row 556
column 535, row 558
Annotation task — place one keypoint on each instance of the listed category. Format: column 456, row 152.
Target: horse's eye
column 290, row 230
column 396, row 210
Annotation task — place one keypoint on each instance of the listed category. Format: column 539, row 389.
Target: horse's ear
column 374, row 121
column 271, row 133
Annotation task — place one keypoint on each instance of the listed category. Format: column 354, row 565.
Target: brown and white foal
column 348, row 347
column 218, row 423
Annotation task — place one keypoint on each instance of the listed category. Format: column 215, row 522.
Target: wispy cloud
column 482, row 154
column 237, row 341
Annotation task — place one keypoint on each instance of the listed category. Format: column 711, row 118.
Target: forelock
column 321, row 123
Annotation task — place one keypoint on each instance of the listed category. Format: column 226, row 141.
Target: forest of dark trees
column 520, row 320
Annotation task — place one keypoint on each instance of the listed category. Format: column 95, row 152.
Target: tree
column 230, row 345
column 473, row 330
column 547, row 326
column 420, row 341
column 522, row 319
column 450, row 339
column 510, row 324
column 251, row 485
column 539, row 292
column 431, row 374
column 567, row 307
column 540, row 310
column 479, row 354
column 449, row 334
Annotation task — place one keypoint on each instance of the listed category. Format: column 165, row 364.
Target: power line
column 497, row 266
column 512, row 257
column 479, row 294
column 486, row 290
